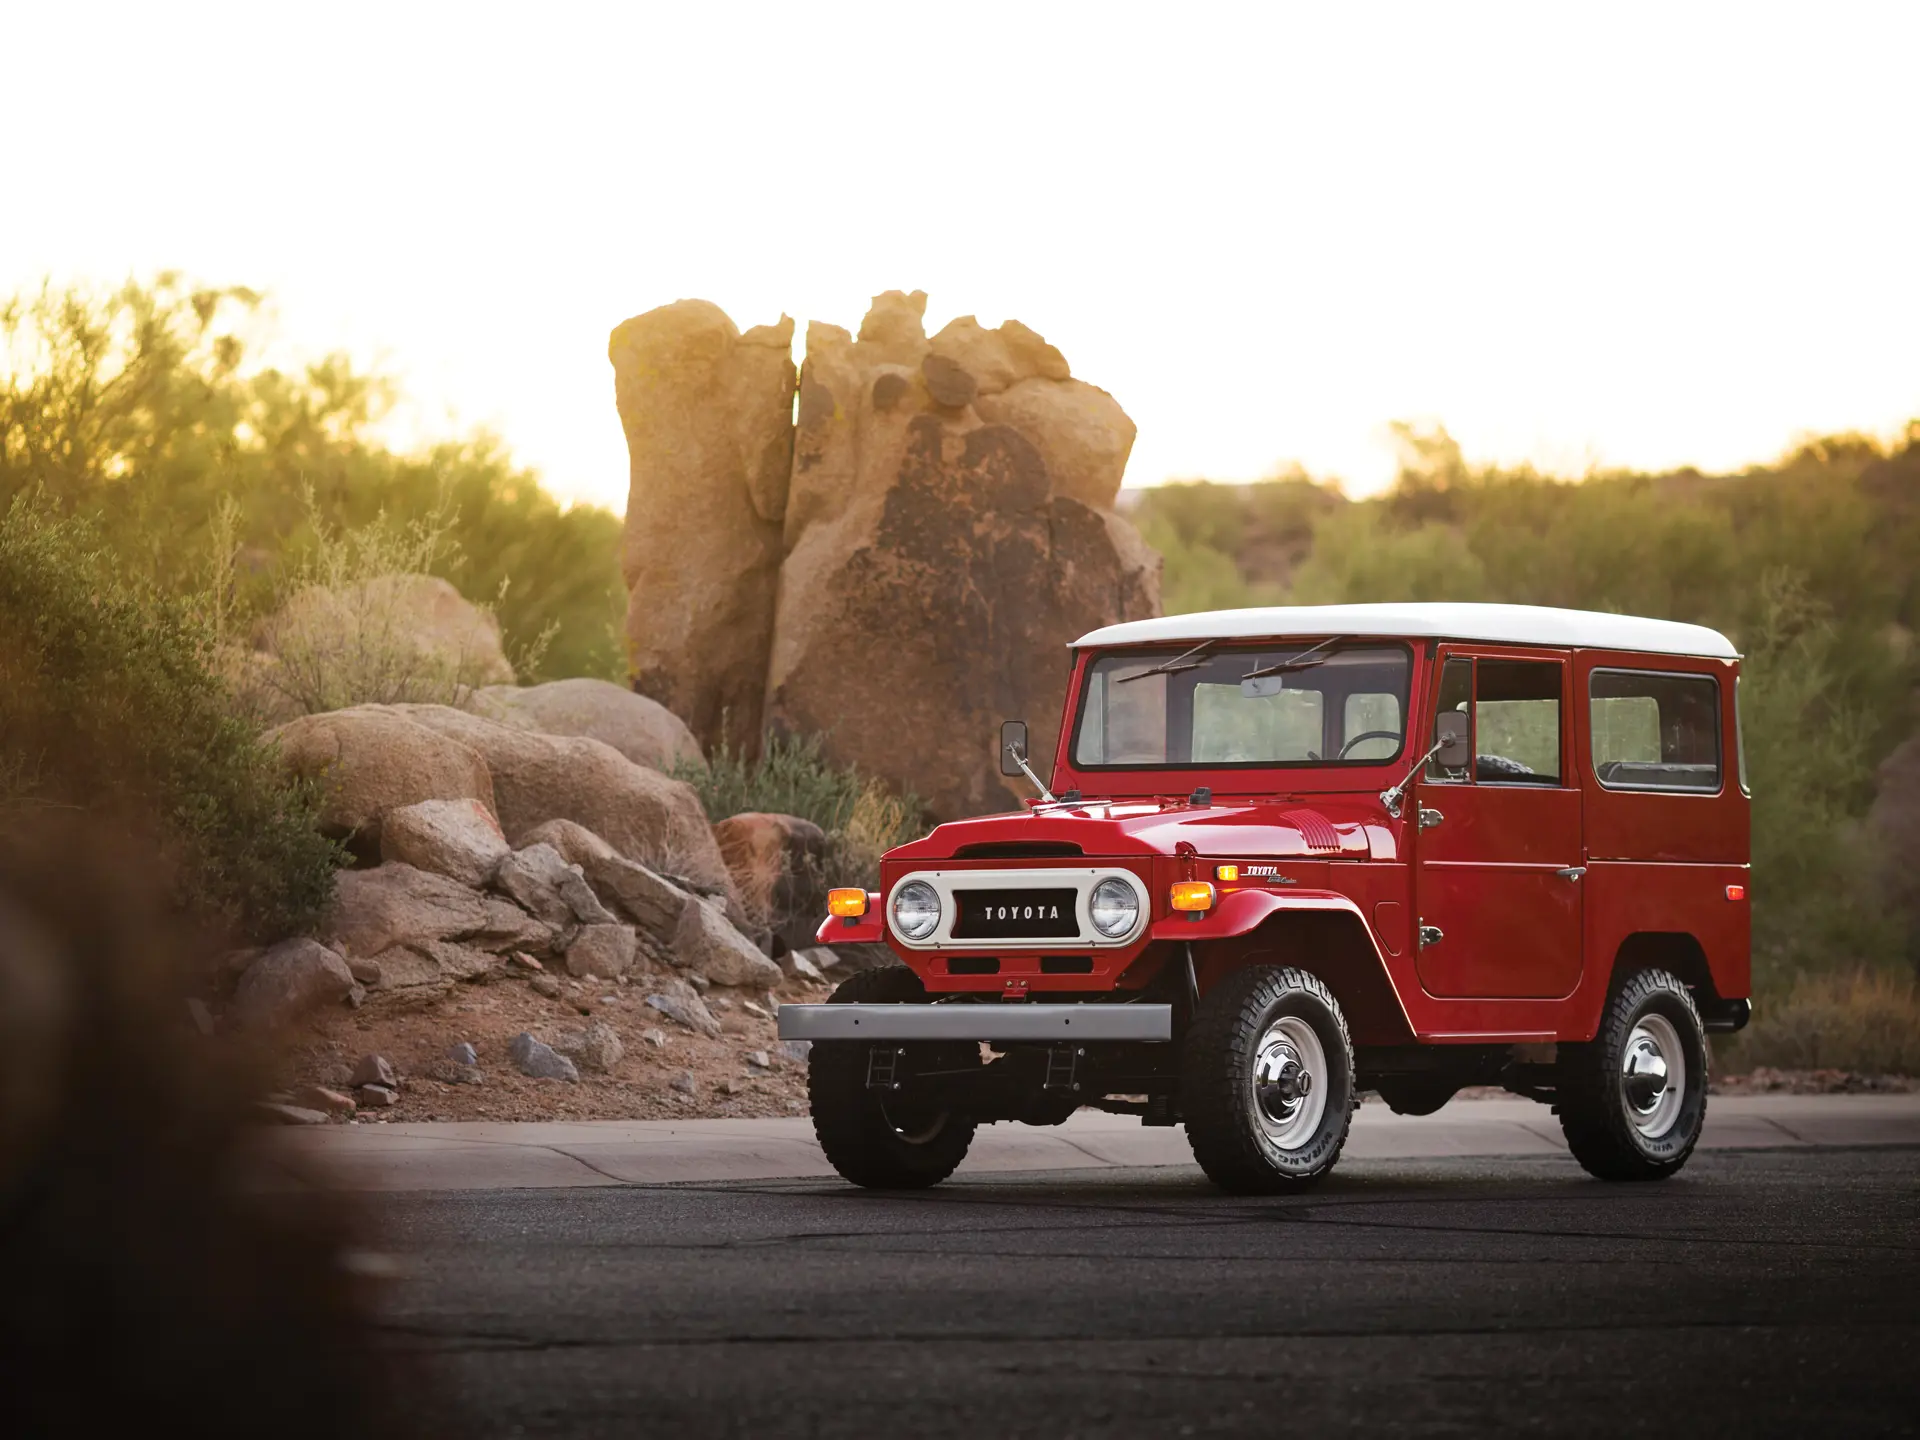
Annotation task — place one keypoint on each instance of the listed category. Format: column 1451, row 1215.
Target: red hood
column 1323, row 826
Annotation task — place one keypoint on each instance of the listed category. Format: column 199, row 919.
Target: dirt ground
column 639, row 1087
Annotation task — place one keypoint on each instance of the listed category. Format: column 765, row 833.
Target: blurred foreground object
column 156, row 1267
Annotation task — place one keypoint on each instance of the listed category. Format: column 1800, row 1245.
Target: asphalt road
column 1760, row 1293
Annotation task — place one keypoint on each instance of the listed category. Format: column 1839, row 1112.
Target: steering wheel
column 1393, row 735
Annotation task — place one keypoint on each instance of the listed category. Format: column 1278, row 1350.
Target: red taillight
column 1736, row 892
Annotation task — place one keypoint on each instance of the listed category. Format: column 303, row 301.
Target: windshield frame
column 1246, row 646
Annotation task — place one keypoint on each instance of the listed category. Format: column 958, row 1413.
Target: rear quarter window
column 1655, row 730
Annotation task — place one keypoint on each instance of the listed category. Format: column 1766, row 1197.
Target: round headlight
column 916, row 909
column 1114, row 907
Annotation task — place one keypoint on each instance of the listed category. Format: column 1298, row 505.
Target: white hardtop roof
column 1506, row 624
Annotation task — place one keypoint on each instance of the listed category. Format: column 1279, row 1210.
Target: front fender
column 1242, row 911
column 867, row 929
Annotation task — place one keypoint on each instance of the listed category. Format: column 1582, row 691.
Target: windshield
column 1342, row 703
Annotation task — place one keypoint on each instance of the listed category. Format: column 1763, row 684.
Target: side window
column 1516, row 722
column 1456, row 693
column 1655, row 730
column 1740, row 739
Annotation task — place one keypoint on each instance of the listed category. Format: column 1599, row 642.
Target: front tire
column 871, row 1141
column 1267, row 1081
column 1632, row 1101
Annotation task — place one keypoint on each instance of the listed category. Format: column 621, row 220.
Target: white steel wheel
column 1633, row 1099
column 1287, row 1086
column 1653, row 1075
column 1266, row 1082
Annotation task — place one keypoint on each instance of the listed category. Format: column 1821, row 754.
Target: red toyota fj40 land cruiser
column 1288, row 855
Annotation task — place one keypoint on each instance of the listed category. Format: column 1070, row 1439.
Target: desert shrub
column 345, row 631
column 1863, row 1020
column 863, row 819
column 111, row 702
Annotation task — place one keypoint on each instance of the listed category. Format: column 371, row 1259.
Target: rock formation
column 945, row 529
column 709, row 419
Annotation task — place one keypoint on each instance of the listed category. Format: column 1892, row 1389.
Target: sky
column 1581, row 236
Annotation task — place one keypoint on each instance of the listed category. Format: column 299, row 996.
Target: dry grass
column 1865, row 1021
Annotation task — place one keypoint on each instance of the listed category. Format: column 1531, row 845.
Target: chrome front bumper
column 1020, row 1021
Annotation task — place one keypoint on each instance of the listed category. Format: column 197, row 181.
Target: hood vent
column 1314, row 828
column 1019, row 850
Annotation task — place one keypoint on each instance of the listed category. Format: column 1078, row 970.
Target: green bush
column 143, row 409
column 863, row 819
column 111, row 701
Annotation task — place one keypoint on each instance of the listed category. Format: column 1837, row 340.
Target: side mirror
column 1013, row 742
column 1450, row 730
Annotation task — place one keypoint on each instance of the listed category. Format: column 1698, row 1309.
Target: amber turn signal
column 1192, row 895
column 1226, row 872
column 847, row 903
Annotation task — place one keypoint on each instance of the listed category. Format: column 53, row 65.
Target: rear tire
column 1255, row 1128
column 1633, row 1100
column 871, row 1142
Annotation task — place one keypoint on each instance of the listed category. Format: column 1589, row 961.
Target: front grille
column 1015, row 915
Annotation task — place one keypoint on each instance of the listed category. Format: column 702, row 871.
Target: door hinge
column 1431, row 935
column 1572, row 872
column 1429, row 817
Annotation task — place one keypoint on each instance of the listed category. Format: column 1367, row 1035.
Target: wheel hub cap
column 1288, row 1097
column 1653, row 1076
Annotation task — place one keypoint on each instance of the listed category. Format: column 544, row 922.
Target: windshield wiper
column 1305, row 660
column 1167, row 667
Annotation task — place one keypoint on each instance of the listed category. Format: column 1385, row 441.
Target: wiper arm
column 1305, row 660
column 1167, row 667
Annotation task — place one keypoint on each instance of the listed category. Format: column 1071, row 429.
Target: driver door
column 1499, row 853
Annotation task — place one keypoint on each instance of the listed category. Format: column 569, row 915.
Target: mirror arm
column 1394, row 795
column 1046, row 795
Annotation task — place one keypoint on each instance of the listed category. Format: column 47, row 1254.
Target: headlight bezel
column 1128, row 894
column 933, row 915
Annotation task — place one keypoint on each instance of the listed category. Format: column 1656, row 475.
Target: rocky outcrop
column 708, row 417
column 643, row 814
column 368, row 761
column 643, row 730
column 946, row 527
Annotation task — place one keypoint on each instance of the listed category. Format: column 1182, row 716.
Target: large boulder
column 397, row 905
column 948, row 515
column 459, row 839
column 708, row 418
column 394, row 637
column 368, row 761
column 708, row 944
column 779, row 865
column 288, row 982
column 642, row 729
column 960, row 526
column 643, row 814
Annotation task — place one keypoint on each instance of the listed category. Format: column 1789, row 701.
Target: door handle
column 1572, row 872
column 1430, row 817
